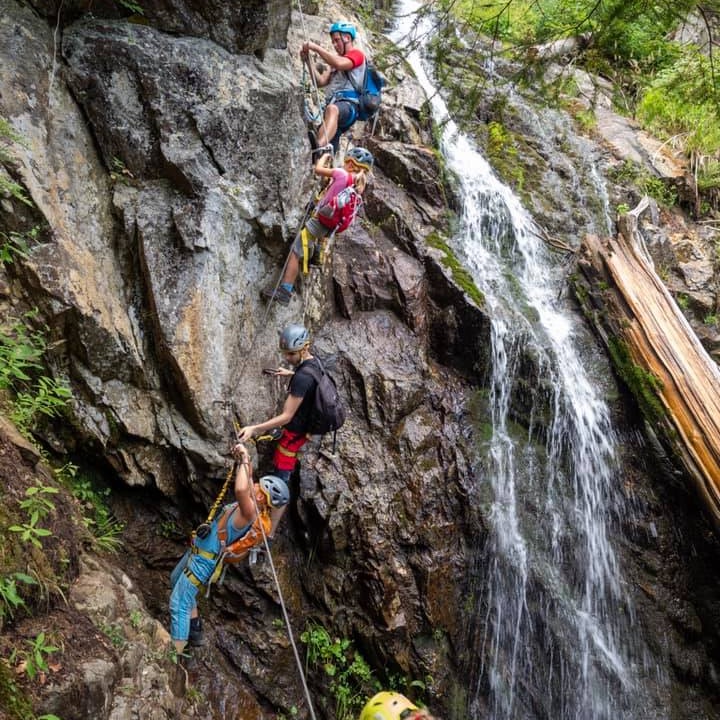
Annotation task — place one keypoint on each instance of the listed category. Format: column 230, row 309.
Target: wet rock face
column 172, row 174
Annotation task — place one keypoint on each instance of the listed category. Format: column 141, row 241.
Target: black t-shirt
column 303, row 385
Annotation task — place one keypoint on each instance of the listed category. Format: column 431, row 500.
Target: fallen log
column 656, row 352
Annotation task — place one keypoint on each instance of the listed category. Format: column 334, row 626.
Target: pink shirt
column 341, row 179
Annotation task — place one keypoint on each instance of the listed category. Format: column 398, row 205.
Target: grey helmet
column 294, row 338
column 276, row 490
column 361, row 157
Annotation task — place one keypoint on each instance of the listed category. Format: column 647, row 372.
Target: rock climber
column 335, row 211
column 297, row 408
column 393, row 706
column 237, row 521
column 341, row 98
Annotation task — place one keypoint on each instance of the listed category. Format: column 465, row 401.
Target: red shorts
column 286, row 451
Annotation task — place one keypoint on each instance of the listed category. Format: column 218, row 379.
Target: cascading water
column 551, row 628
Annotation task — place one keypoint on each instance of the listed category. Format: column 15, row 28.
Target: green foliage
column 13, row 700
column 624, row 32
column 37, row 507
column 35, row 502
column 8, row 186
column 115, row 634
column 119, row 172
column 33, row 659
column 631, row 173
column 708, row 174
column 14, row 244
column 350, row 677
column 10, row 599
column 30, row 532
column 683, row 100
column 683, row 301
column 47, row 397
column 21, row 352
column 97, row 516
column 132, row 6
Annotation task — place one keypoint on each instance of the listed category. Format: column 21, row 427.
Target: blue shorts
column 182, row 601
column 347, row 114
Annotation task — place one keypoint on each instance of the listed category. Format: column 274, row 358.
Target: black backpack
column 328, row 413
column 370, row 94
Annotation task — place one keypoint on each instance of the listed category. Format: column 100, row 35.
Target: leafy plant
column 10, row 599
column 97, row 517
column 47, row 397
column 132, row 6
column 119, row 172
column 35, row 501
column 348, row 673
column 683, row 100
column 7, row 136
column 13, row 245
column 21, row 352
column 114, row 633
column 34, row 659
column 30, row 532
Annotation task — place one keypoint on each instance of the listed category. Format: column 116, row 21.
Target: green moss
column 633, row 174
column 459, row 274
column 12, row 699
column 642, row 384
column 502, row 150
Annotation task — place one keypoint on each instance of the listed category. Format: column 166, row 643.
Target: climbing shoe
column 279, row 294
column 316, row 259
column 196, row 638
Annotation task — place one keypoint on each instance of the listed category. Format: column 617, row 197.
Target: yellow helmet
column 387, row 706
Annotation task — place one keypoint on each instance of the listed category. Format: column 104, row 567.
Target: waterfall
column 552, row 628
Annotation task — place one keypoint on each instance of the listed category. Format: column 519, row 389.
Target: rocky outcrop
column 241, row 27
column 171, row 172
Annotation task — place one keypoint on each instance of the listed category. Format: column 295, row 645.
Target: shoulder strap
column 316, row 372
column 222, row 525
column 348, row 75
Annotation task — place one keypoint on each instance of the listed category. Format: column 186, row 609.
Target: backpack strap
column 222, row 525
column 351, row 80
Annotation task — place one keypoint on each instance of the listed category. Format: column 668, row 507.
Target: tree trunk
column 655, row 351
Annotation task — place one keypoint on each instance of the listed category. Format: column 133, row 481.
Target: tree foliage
column 671, row 86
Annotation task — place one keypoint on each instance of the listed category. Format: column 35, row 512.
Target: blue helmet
column 343, row 27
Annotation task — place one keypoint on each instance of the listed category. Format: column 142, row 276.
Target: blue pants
column 182, row 601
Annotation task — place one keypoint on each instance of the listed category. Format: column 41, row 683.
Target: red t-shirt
column 357, row 56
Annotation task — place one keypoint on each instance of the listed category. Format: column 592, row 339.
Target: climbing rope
column 286, row 617
column 218, row 501
column 306, row 64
